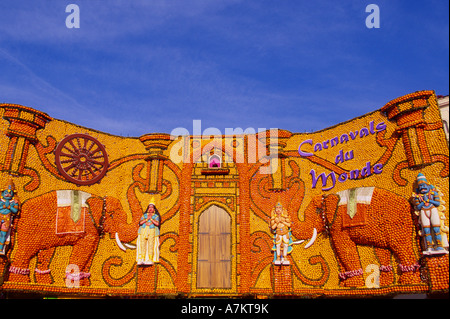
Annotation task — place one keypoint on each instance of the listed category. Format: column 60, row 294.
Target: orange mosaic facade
column 370, row 244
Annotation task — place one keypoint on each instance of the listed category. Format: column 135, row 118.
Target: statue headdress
column 283, row 212
column 421, row 179
column 8, row 185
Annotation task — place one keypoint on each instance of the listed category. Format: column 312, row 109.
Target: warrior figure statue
column 9, row 207
column 426, row 200
column 280, row 224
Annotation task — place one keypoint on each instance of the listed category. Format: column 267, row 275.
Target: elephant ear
column 331, row 203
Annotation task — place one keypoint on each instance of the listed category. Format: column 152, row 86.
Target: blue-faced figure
column 9, row 207
column 426, row 200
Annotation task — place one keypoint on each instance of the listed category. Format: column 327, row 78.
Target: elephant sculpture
column 381, row 219
column 37, row 235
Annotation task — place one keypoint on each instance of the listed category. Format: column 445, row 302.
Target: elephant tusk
column 130, row 246
column 312, row 240
column 298, row 242
column 119, row 243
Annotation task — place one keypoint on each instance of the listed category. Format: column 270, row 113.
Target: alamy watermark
column 373, row 279
column 72, row 276
column 373, row 19
column 238, row 145
column 73, row 19
column 261, row 146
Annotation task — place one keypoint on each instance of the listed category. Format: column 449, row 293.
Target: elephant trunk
column 305, row 231
column 128, row 232
column 311, row 225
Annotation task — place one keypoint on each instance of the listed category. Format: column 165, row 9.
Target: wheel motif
column 81, row 159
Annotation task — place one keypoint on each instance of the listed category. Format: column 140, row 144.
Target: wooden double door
column 214, row 249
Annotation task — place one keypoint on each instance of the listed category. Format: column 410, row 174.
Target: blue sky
column 136, row 67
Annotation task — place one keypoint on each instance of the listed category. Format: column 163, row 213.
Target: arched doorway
column 214, row 249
